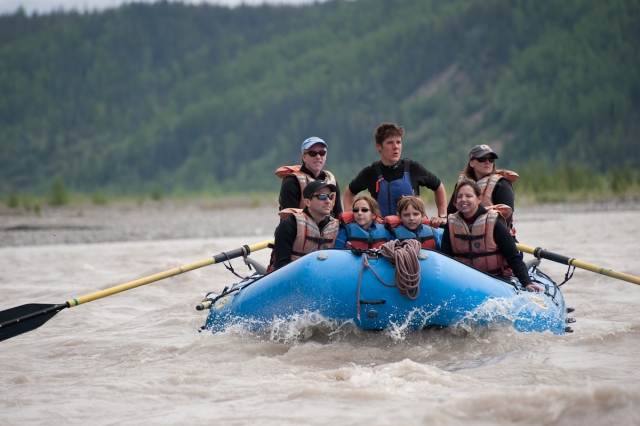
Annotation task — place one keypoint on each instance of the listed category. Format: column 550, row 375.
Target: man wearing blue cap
column 296, row 178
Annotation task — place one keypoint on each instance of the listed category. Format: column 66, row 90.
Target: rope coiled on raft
column 403, row 256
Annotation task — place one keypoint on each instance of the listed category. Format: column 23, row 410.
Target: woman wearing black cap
column 496, row 185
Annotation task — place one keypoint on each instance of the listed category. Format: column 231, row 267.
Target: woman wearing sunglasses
column 296, row 178
column 496, row 186
column 362, row 227
column 479, row 237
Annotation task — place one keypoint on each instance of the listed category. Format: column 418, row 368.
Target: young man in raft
column 391, row 178
column 295, row 178
column 304, row 231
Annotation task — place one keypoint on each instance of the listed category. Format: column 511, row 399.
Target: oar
column 544, row 254
column 24, row 318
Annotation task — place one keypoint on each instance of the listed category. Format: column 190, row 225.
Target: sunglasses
column 485, row 159
column 314, row 153
column 363, row 210
column 323, row 197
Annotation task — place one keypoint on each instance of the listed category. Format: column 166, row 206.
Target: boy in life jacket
column 496, row 186
column 362, row 227
column 412, row 223
column 295, row 178
column 478, row 237
column 304, row 231
column 392, row 178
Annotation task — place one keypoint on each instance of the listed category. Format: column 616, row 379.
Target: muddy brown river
column 137, row 358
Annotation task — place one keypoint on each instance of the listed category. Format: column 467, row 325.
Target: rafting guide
column 391, row 178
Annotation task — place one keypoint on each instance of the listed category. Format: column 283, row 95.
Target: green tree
column 98, row 199
column 620, row 179
column 13, row 200
column 58, row 195
column 156, row 194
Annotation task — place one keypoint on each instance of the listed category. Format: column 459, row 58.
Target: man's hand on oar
column 544, row 254
column 24, row 318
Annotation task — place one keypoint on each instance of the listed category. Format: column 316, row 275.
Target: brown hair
column 472, row 184
column 373, row 205
column 414, row 202
column 385, row 130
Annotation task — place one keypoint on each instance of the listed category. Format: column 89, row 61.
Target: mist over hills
column 195, row 97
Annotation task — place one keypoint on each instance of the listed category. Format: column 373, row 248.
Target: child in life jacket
column 412, row 223
column 362, row 227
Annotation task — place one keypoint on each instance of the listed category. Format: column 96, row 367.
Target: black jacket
column 290, row 195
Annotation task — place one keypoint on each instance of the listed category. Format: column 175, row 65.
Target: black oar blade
column 22, row 319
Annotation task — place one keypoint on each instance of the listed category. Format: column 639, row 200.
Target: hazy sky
column 43, row 6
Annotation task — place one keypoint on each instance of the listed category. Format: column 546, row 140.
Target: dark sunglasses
column 314, row 153
column 323, row 197
column 485, row 159
column 363, row 210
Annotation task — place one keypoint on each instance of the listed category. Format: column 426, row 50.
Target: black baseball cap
column 315, row 186
column 480, row 151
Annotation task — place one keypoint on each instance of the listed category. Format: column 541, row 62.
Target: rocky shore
column 171, row 219
column 161, row 220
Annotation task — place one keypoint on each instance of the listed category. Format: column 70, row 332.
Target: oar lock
column 569, row 321
column 208, row 300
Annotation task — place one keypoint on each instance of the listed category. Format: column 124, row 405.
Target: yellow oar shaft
column 544, row 254
column 166, row 274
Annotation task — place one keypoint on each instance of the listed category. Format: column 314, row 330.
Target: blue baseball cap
column 308, row 143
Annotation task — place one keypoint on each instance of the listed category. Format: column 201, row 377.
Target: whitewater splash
column 313, row 326
column 493, row 314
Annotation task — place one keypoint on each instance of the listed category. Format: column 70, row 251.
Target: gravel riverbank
column 170, row 219
column 114, row 222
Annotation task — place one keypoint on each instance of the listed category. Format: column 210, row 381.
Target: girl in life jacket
column 478, row 236
column 361, row 228
column 412, row 223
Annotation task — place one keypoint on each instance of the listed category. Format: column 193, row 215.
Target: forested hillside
column 195, row 97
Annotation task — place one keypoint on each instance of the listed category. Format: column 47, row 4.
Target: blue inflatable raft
column 329, row 283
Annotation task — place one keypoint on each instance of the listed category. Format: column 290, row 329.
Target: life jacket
column 308, row 237
column 360, row 238
column 304, row 179
column 424, row 235
column 476, row 246
column 389, row 193
column 488, row 183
